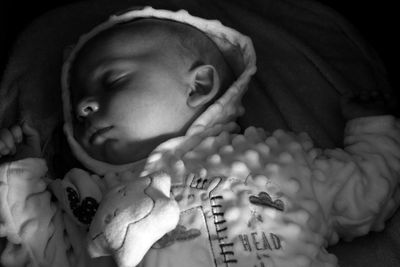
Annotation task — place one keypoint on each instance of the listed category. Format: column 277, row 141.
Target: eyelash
column 111, row 80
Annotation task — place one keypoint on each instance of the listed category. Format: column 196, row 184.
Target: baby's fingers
column 4, row 150
column 32, row 137
column 17, row 134
column 7, row 145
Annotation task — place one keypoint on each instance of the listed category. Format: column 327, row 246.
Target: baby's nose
column 87, row 107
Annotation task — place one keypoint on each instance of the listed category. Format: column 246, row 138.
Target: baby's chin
column 122, row 151
column 117, row 153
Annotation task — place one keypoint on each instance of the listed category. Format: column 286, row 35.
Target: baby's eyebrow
column 122, row 64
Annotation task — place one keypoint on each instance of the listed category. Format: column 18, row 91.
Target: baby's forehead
column 135, row 31
column 135, row 36
column 125, row 39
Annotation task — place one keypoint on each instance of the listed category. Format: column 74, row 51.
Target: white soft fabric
column 135, row 214
column 253, row 198
column 35, row 227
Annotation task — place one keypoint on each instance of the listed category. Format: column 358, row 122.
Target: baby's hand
column 364, row 104
column 19, row 141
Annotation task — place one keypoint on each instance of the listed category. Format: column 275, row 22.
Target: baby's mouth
column 98, row 135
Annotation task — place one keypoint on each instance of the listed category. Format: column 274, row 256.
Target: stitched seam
column 221, row 228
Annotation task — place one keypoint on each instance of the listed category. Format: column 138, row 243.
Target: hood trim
column 237, row 49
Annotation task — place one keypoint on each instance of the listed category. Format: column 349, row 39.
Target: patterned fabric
column 260, row 200
column 35, row 226
column 265, row 199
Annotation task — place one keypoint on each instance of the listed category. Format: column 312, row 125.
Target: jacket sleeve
column 31, row 222
column 358, row 186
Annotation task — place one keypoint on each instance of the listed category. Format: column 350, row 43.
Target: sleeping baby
column 150, row 102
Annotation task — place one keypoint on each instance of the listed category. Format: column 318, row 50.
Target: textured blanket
column 307, row 54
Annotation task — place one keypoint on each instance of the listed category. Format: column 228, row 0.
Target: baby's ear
column 204, row 86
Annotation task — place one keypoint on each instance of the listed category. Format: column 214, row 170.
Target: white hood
column 237, row 49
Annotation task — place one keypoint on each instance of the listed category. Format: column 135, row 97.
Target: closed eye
column 113, row 80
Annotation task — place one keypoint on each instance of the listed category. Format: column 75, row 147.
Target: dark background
column 376, row 20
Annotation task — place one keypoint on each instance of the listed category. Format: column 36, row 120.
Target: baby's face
column 129, row 93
